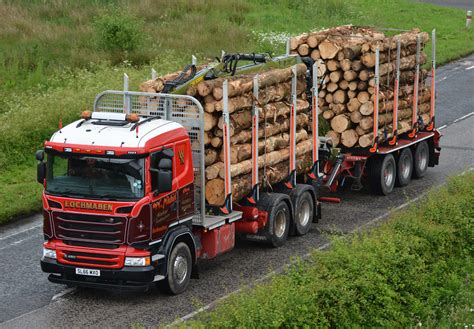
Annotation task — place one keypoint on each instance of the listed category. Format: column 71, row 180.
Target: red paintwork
column 217, row 241
column 329, row 199
column 115, row 257
column 247, row 227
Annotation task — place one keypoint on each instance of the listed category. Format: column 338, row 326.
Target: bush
column 415, row 270
column 118, row 31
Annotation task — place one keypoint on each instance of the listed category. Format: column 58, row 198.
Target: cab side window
column 161, row 170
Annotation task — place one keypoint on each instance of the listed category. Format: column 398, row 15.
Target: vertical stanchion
column 126, row 96
column 291, row 183
column 153, row 74
column 414, row 117
column 288, row 46
column 255, row 117
column 374, row 147
column 227, row 208
column 433, row 81
column 395, row 98
column 193, row 60
column 314, row 174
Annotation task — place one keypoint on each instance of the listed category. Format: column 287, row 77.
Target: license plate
column 86, row 271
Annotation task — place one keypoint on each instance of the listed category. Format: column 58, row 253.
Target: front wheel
column 179, row 270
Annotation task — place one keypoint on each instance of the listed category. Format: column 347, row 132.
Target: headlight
column 49, row 253
column 137, row 261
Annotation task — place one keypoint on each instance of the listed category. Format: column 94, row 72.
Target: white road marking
column 442, row 79
column 17, row 242
column 469, row 68
column 21, row 231
column 463, row 117
column 442, row 127
column 67, row 291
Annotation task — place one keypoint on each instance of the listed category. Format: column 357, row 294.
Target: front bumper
column 126, row 278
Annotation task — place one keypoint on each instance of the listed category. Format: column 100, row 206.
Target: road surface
column 29, row 300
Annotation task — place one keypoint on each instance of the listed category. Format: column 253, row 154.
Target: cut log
column 351, row 94
column 362, row 85
column 356, row 117
column 210, row 121
column 242, row 185
column 344, row 84
column 345, row 64
column 269, row 159
column 349, row 138
column 328, row 114
column 329, row 97
column 356, row 65
column 338, row 108
column 332, row 87
column 303, row 49
column 334, row 136
column 340, row 123
column 339, row 97
column 350, row 75
column 361, row 131
column 216, row 142
column 363, row 97
column 312, row 41
column 270, row 129
column 335, row 76
column 296, row 41
column 351, row 52
column 328, row 49
column 210, row 156
column 352, row 85
column 353, row 105
column 367, row 108
column 315, row 55
column 212, row 171
column 364, row 75
column 332, row 65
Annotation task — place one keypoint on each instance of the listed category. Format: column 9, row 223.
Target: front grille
column 89, row 228
column 90, row 259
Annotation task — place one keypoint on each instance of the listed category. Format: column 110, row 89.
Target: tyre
column 304, row 210
column 179, row 270
column 404, row 167
column 278, row 224
column 382, row 174
column 421, row 157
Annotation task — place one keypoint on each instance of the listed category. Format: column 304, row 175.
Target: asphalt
column 29, row 300
column 462, row 4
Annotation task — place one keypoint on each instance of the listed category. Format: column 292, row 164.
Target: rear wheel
column 382, row 174
column 179, row 270
column 304, row 210
column 420, row 159
column 278, row 224
column 404, row 167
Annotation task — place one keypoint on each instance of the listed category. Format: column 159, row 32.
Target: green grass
column 52, row 63
column 415, row 270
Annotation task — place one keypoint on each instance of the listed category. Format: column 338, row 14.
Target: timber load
column 347, row 58
column 274, row 105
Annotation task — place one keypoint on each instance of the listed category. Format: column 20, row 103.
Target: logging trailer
column 124, row 189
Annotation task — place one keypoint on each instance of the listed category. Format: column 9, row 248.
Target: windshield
column 94, row 177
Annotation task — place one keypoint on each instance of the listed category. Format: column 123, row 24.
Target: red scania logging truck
column 123, row 198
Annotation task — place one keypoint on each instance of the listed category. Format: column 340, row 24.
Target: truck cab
column 115, row 185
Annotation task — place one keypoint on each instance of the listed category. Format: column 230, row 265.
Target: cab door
column 164, row 197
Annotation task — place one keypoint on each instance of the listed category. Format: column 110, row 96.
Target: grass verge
column 51, row 65
column 415, row 270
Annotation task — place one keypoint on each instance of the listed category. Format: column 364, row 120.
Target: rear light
column 47, row 229
column 139, row 229
column 49, row 253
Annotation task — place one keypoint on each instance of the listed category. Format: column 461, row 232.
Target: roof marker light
column 67, row 149
column 109, row 152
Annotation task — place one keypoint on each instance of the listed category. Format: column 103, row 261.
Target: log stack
column 274, row 103
column 346, row 56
